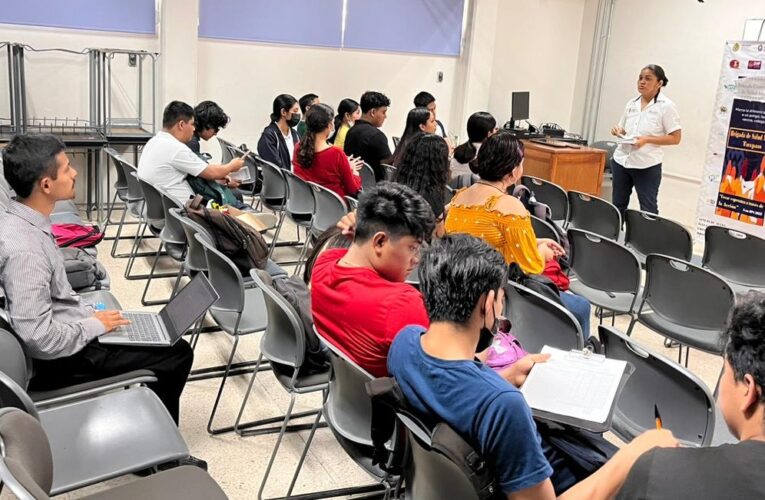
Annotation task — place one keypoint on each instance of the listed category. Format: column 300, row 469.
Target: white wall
column 686, row 38
column 245, row 77
column 537, row 50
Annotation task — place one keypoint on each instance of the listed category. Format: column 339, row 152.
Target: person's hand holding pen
column 657, row 416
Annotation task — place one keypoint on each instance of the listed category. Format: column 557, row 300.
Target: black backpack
column 387, row 400
column 83, row 271
column 542, row 211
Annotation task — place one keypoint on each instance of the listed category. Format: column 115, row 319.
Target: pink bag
column 76, row 235
column 504, row 351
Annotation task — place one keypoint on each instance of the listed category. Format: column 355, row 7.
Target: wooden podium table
column 577, row 168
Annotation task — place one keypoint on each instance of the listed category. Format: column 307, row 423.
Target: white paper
column 626, row 139
column 574, row 385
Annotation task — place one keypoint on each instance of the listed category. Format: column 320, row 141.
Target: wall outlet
column 132, row 60
column 440, row 76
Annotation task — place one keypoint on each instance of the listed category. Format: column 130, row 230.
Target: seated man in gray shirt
column 166, row 160
column 729, row 470
column 58, row 329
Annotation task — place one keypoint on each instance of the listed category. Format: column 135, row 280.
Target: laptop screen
column 188, row 306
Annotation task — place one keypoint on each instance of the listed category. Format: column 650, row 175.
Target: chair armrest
column 87, row 390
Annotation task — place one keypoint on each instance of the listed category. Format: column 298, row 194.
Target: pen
column 657, row 415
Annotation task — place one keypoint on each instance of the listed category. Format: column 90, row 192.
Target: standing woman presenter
column 649, row 122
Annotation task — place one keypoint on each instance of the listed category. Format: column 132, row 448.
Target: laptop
column 168, row 326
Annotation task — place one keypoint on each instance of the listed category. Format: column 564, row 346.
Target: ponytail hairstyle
column 317, row 119
column 414, row 119
column 282, row 102
column 346, row 106
column 479, row 126
column 658, row 72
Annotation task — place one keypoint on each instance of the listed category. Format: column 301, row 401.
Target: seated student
column 277, row 142
column 730, row 470
column 365, row 139
column 358, row 296
column 209, row 118
column 462, row 280
column 480, row 126
column 318, row 161
column 348, row 111
column 166, row 160
column 58, row 328
column 418, row 121
column 426, row 100
column 425, row 168
column 305, row 103
column 486, row 211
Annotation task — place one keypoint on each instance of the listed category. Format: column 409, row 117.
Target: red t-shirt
column 360, row 312
column 331, row 169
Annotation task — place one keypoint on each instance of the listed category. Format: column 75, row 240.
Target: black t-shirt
column 368, row 142
column 730, row 471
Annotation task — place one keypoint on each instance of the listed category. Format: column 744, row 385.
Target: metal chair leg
column 276, row 446
column 276, row 232
column 305, row 450
column 210, row 429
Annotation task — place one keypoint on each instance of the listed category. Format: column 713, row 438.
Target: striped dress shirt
column 49, row 317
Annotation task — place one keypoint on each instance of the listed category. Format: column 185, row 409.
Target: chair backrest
column 603, row 264
column 330, row 208
column 225, row 152
column 299, row 195
column 735, row 255
column 26, row 465
column 274, row 189
column 121, row 182
column 284, row 339
column 134, row 192
column 173, row 231
column 538, row 321
column 352, row 203
column 594, row 214
column 550, row 194
column 684, row 401
column 448, row 194
column 13, row 360
column 367, row 176
column 687, row 295
column 13, row 395
column 396, row 140
column 224, row 277
column 542, row 229
column 154, row 209
column 195, row 253
column 431, row 475
column 390, row 171
column 348, row 407
column 648, row 233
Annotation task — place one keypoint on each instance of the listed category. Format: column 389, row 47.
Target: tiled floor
column 238, row 463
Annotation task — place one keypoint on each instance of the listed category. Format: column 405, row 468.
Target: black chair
column 543, row 229
column 648, row 233
column 551, row 195
column 609, row 147
column 607, row 273
column 594, row 214
column 685, row 303
column 390, row 171
column 538, row 321
column 686, row 404
column 367, row 174
column 736, row 256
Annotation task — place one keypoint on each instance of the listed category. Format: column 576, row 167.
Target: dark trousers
column 646, row 182
column 171, row 365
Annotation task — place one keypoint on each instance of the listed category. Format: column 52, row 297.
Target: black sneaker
column 190, row 460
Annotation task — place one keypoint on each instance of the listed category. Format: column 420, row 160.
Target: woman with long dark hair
column 277, row 142
column 425, row 168
column 348, row 111
column 480, row 126
column 649, row 121
column 316, row 160
column 418, row 121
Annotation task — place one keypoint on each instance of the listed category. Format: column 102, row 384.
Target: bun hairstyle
column 658, row 72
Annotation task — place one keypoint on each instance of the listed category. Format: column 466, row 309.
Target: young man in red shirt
column 359, row 299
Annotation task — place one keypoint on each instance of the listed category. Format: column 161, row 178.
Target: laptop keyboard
column 142, row 328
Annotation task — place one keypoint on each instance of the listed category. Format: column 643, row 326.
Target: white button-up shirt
column 658, row 118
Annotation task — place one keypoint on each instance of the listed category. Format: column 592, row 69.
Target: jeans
column 646, row 182
column 580, row 308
